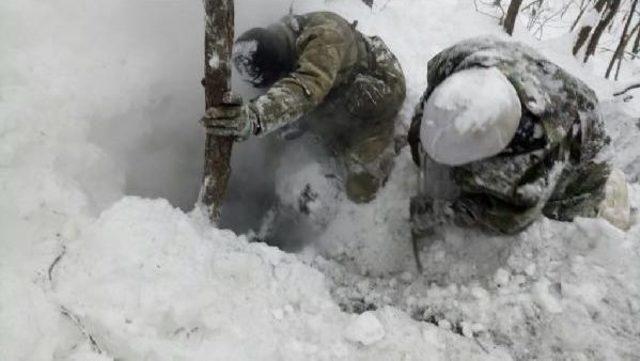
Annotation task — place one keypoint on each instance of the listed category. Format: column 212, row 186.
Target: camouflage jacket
column 510, row 190
column 328, row 49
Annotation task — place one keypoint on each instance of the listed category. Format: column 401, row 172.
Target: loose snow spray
column 131, row 71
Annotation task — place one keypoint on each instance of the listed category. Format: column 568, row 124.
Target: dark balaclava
column 262, row 56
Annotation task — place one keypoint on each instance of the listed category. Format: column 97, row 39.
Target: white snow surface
column 99, row 105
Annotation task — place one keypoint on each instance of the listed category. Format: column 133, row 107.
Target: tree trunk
column 585, row 31
column 636, row 44
column 618, row 54
column 217, row 84
column 612, row 9
column 583, row 35
column 624, row 46
column 583, row 9
column 512, row 14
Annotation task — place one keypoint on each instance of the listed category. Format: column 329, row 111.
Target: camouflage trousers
column 576, row 191
column 357, row 123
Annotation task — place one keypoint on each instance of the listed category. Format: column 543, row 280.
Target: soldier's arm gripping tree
column 289, row 96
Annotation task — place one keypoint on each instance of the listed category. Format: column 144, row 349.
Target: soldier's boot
column 615, row 207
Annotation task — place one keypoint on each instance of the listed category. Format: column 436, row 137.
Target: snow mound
column 148, row 282
column 503, row 290
column 146, row 274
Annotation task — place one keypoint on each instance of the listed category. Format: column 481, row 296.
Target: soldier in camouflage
column 324, row 76
column 550, row 167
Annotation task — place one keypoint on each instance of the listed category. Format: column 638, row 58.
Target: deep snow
column 98, row 101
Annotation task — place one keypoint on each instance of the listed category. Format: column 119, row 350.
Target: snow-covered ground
column 98, row 106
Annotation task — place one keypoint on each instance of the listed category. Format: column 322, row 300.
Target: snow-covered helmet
column 472, row 115
column 264, row 55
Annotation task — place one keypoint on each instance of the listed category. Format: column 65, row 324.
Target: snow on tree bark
column 217, row 47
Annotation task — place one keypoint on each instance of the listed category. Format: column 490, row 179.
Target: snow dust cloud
column 129, row 73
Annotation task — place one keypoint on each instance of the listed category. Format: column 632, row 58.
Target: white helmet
column 472, row 115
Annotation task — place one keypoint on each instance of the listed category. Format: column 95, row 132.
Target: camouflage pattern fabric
column 550, row 167
column 347, row 89
column 358, row 121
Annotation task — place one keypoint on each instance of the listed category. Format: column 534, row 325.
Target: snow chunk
column 502, row 277
column 431, row 336
column 214, row 60
column 546, row 297
column 365, row 329
column 530, row 270
column 615, row 207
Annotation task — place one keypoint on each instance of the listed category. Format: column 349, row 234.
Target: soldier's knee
column 366, row 96
column 374, row 97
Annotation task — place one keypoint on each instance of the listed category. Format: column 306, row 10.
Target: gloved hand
column 232, row 119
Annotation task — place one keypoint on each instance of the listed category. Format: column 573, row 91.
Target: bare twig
column 384, row 6
column 481, row 345
column 475, row 3
column 76, row 321
column 625, row 90
column 55, row 262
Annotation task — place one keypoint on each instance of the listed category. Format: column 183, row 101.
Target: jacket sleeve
column 321, row 52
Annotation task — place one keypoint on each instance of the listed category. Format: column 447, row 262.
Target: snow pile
column 158, row 285
column 504, row 290
column 87, row 274
column 147, row 282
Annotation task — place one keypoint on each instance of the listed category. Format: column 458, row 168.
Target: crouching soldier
column 503, row 136
column 321, row 75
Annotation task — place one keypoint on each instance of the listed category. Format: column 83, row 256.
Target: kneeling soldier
column 324, row 76
column 503, row 136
